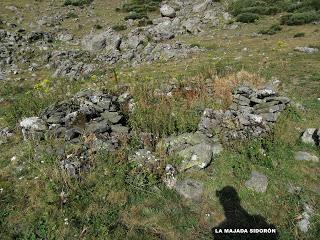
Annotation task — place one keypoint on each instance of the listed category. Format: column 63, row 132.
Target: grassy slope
column 114, row 201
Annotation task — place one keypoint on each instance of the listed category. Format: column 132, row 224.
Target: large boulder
column 107, row 40
column 195, row 150
column 167, row 11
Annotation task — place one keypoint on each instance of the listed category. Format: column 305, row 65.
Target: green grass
column 114, row 200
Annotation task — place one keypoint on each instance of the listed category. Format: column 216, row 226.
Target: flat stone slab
column 258, row 182
column 190, row 189
column 305, row 156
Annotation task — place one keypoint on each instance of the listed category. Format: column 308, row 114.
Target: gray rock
column 112, row 117
column 107, row 40
column 258, row 182
column 167, row 11
column 304, row 222
column 198, row 156
column 201, row 7
column 30, row 126
column 307, row 50
column 305, row 156
column 190, row 189
column 310, row 136
column 195, row 149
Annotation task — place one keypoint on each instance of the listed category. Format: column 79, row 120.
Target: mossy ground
column 116, row 201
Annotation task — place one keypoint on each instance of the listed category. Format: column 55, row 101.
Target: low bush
column 299, row 18
column 272, row 30
column 139, row 9
column 119, row 27
column 77, row 2
column 300, row 34
column 247, row 17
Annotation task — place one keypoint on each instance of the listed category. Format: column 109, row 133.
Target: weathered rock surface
column 195, row 149
column 258, row 182
column 190, row 189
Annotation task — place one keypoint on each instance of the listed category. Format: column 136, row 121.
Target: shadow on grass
column 239, row 224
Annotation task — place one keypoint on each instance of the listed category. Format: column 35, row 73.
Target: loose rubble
column 252, row 114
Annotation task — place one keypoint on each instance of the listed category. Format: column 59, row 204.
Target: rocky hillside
column 150, row 119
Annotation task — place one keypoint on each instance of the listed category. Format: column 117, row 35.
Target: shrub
column 77, row 2
column 272, row 30
column 135, row 16
column 300, row 34
column 247, row 17
column 300, row 18
column 119, row 27
column 139, row 8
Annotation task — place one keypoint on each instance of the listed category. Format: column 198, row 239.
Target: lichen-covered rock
column 195, row 149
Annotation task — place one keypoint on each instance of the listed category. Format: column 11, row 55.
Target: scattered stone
column 311, row 136
column 190, row 189
column 306, row 50
column 258, row 182
column 305, row 156
column 305, row 217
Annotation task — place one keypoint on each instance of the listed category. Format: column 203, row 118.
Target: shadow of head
column 237, row 218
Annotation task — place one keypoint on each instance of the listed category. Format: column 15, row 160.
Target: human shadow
column 239, row 224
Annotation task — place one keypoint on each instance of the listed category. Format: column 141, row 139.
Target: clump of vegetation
column 139, row 9
column 300, row 18
column 300, row 12
column 300, row 34
column 272, row 30
column 119, row 27
column 247, row 17
column 77, row 2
